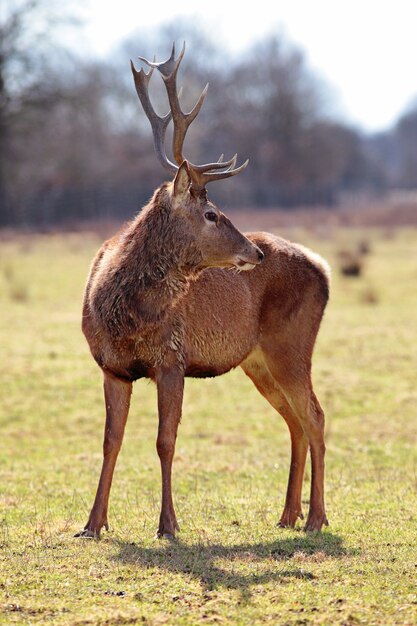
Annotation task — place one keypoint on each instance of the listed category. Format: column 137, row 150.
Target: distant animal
column 162, row 303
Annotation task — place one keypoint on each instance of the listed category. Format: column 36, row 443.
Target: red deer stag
column 160, row 304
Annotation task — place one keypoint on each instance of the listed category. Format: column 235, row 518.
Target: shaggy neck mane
column 154, row 261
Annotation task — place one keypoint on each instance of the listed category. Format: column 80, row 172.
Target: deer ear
column 182, row 180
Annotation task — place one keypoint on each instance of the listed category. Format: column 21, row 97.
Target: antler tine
column 158, row 124
column 167, row 67
column 200, row 180
column 218, row 165
column 233, row 163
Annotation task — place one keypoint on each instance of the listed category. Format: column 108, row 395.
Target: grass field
column 230, row 564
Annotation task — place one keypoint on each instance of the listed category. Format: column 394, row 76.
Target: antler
column 158, row 124
column 200, row 174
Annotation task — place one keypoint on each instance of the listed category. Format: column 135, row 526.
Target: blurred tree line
column 74, row 143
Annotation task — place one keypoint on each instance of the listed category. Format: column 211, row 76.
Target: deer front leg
column 117, row 397
column 170, row 384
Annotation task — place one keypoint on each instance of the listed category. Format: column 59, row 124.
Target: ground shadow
column 199, row 559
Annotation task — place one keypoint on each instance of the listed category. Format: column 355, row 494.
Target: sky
column 365, row 49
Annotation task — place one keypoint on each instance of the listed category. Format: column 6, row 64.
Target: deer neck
column 156, row 263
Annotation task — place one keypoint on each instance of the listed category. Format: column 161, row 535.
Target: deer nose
column 261, row 256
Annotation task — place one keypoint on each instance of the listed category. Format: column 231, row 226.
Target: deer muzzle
column 249, row 260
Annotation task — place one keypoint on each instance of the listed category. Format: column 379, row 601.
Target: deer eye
column 211, row 216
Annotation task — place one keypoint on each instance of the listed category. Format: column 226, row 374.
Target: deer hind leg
column 117, row 398
column 257, row 370
column 294, row 379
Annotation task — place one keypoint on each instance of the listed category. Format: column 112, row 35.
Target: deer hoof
column 87, row 533
column 165, row 535
column 289, row 518
column 315, row 522
column 282, row 524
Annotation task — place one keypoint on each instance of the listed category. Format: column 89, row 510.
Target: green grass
column 230, row 564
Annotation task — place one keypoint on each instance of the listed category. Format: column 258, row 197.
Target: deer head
column 219, row 242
